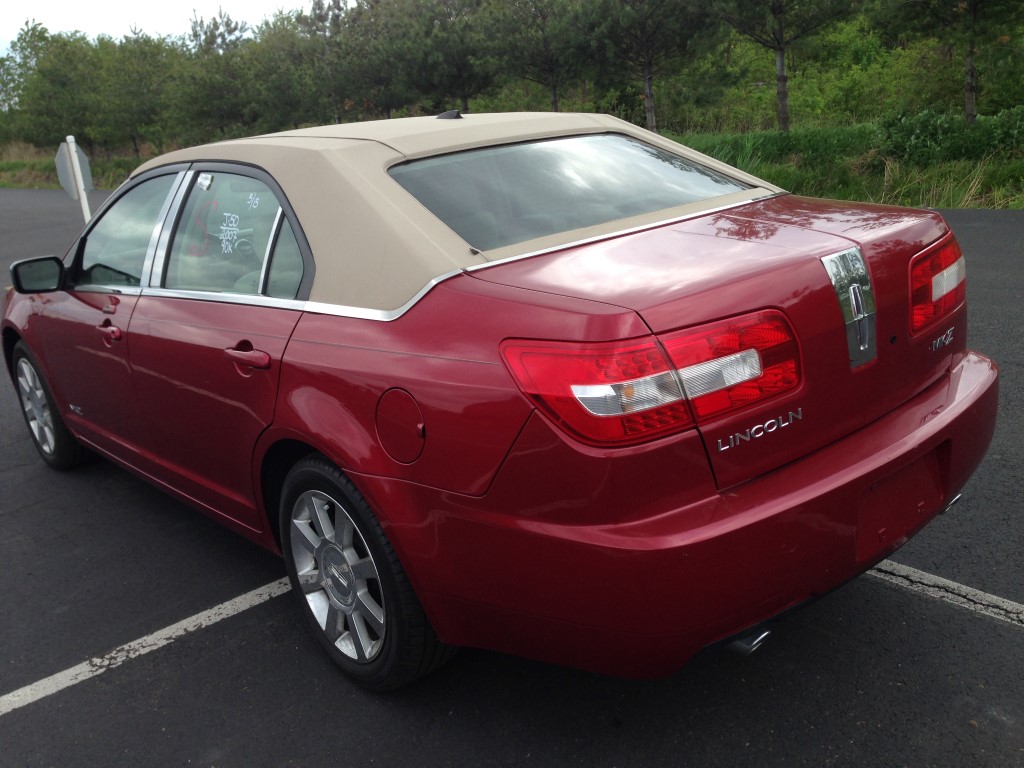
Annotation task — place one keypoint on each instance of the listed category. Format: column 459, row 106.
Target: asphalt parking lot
column 875, row 674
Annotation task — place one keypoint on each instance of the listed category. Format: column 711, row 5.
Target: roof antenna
column 451, row 114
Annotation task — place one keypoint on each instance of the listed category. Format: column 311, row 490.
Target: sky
column 115, row 18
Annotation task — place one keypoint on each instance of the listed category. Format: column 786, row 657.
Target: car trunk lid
column 788, row 254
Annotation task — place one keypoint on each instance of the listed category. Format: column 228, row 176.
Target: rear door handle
column 253, row 358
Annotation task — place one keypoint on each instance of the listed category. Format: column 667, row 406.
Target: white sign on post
column 74, row 174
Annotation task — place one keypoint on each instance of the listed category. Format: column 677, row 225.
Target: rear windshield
column 503, row 195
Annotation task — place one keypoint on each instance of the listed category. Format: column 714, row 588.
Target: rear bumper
column 641, row 596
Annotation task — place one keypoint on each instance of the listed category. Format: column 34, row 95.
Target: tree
column 56, row 96
column 962, row 24
column 132, row 86
column 649, row 35
column 546, row 43
column 378, row 56
column 20, row 63
column 777, row 25
column 282, row 64
column 323, row 27
column 215, row 87
column 453, row 47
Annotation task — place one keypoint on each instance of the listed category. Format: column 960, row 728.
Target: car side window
column 115, row 248
column 285, row 271
column 225, row 236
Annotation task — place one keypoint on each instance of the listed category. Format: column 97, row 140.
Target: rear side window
column 232, row 237
column 503, row 195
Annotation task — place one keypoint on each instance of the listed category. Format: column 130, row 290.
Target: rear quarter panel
column 444, row 353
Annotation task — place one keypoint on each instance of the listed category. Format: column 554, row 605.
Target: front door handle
column 253, row 358
column 110, row 332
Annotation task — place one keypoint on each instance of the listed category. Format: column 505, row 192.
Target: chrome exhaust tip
column 747, row 644
column 952, row 503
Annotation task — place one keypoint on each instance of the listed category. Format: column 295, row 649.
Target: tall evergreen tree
column 282, row 63
column 133, row 76
column 214, row 91
column 454, row 47
column 546, row 42
column 963, row 25
column 323, row 26
column 378, row 55
column 649, row 36
column 777, row 25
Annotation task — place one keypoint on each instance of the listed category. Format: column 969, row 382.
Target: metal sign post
column 73, row 173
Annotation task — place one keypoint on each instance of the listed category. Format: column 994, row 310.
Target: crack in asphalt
column 950, row 592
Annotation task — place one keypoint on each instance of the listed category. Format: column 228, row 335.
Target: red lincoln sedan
column 545, row 384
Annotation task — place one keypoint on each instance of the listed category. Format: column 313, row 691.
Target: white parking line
column 950, row 592
column 901, row 575
column 143, row 645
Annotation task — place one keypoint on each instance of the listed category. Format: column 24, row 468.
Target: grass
column 843, row 163
column 23, row 166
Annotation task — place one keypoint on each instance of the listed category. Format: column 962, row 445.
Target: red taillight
column 736, row 362
column 627, row 392
column 938, row 284
column 617, row 392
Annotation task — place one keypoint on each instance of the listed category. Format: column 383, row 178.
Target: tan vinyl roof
column 374, row 245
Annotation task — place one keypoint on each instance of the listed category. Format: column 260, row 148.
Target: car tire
column 50, row 436
column 353, row 591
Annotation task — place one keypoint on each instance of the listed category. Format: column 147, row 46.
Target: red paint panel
column 203, row 409
column 668, row 566
column 88, row 367
column 401, row 427
column 767, row 255
column 445, row 354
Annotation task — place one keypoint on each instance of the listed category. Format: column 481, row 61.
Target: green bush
column 812, row 147
column 931, row 137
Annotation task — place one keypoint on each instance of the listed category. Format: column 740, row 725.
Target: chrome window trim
column 381, row 315
column 152, row 247
column 225, row 298
column 161, row 232
column 120, row 290
column 275, row 232
column 388, row 315
column 624, row 232
column 156, row 276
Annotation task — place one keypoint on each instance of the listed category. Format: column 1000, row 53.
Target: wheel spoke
column 319, row 515
column 362, row 642
column 27, row 379
column 346, row 532
column 47, row 440
column 334, row 625
column 319, row 605
column 304, row 535
column 309, row 581
column 363, row 569
column 370, row 610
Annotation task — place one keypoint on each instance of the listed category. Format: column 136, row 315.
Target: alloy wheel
column 338, row 576
column 36, row 406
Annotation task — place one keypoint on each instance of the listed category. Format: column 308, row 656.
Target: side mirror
column 41, row 275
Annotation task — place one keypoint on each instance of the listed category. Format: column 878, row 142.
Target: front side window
column 115, row 249
column 231, row 227
column 503, row 195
